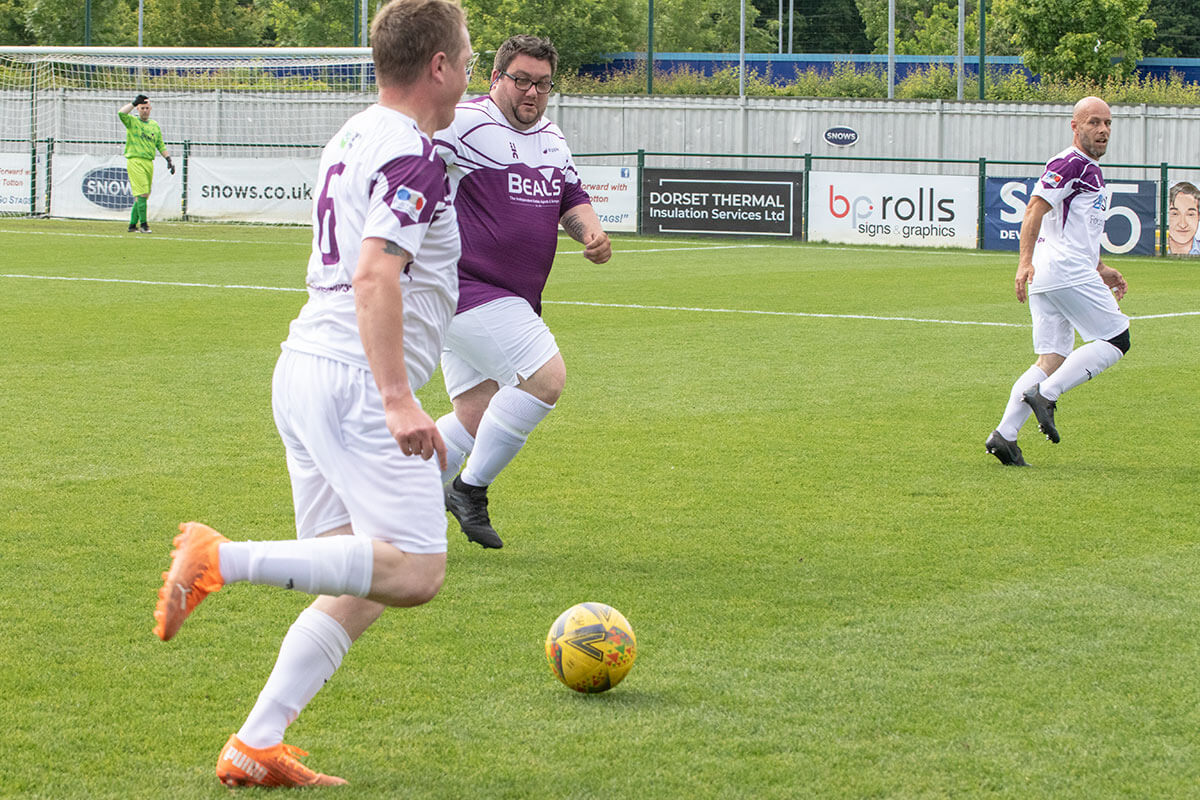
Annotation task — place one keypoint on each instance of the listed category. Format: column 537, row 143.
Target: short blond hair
column 406, row 34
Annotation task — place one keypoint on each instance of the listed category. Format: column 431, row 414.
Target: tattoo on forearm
column 573, row 226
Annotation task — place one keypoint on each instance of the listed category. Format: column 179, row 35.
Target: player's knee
column 1121, row 341
column 552, row 394
column 547, row 383
column 424, row 590
column 406, row 579
column 415, row 591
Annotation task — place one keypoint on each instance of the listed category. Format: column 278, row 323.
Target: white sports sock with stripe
column 1082, row 365
column 459, row 444
column 311, row 652
column 332, row 565
column 511, row 416
column 1017, row 410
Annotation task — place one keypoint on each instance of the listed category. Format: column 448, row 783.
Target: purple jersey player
column 514, row 183
column 1069, row 288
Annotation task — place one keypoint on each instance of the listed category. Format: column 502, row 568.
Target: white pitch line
column 678, row 249
column 307, row 243
column 786, row 313
column 833, row 316
column 156, row 237
column 637, row 306
column 809, row 247
column 159, row 283
column 1165, row 316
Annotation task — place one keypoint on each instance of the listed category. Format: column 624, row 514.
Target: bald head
column 1092, row 124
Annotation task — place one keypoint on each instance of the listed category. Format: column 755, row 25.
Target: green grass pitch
column 769, row 457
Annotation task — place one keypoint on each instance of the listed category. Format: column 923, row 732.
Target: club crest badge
column 408, row 202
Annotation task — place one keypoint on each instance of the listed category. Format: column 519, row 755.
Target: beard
column 526, row 115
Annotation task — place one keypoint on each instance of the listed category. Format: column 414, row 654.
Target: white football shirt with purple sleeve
column 1068, row 248
column 510, row 188
column 379, row 177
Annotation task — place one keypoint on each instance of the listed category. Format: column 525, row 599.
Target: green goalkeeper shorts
column 141, row 173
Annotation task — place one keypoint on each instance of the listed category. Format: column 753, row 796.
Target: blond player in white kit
column 514, row 184
column 1069, row 288
column 382, row 288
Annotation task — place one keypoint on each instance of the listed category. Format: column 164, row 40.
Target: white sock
column 310, row 654
column 459, row 444
column 1083, row 364
column 1017, row 410
column 511, row 416
column 334, row 565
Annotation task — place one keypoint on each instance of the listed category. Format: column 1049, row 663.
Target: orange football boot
column 240, row 765
column 195, row 571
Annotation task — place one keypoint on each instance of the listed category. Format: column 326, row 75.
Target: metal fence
column 952, row 136
column 1149, row 143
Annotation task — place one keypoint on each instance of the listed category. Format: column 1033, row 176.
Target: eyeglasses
column 471, row 64
column 544, row 86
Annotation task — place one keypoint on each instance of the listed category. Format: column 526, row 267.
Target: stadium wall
column 708, row 129
column 247, row 155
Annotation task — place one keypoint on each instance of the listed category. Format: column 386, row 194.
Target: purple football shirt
column 510, row 190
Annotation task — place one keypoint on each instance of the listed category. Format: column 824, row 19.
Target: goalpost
column 244, row 125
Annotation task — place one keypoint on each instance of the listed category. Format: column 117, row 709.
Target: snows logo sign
column 841, row 136
column 108, row 187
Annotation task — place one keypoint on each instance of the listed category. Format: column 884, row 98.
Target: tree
column 582, row 30
column 875, row 20
column 1178, row 34
column 201, row 23
column 13, row 27
column 935, row 33
column 827, row 26
column 1068, row 39
column 930, row 27
column 709, row 26
column 311, row 23
column 61, row 22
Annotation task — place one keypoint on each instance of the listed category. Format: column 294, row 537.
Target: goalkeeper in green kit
column 142, row 138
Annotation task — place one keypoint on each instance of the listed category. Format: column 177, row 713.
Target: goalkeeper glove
column 141, row 98
column 170, row 165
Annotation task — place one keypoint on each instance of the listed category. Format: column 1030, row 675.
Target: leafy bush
column 931, row 83
column 1010, row 86
column 847, row 81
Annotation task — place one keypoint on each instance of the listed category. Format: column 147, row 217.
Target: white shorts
column 499, row 340
column 1089, row 308
column 344, row 464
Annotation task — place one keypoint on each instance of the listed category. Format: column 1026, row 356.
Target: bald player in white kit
column 1069, row 288
column 514, row 183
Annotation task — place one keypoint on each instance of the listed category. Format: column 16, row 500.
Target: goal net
column 244, row 127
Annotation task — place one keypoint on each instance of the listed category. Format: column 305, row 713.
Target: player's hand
column 1115, row 281
column 415, row 431
column 597, row 249
column 1024, row 276
column 170, row 165
column 137, row 101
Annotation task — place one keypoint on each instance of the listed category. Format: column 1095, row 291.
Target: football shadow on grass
column 617, row 697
